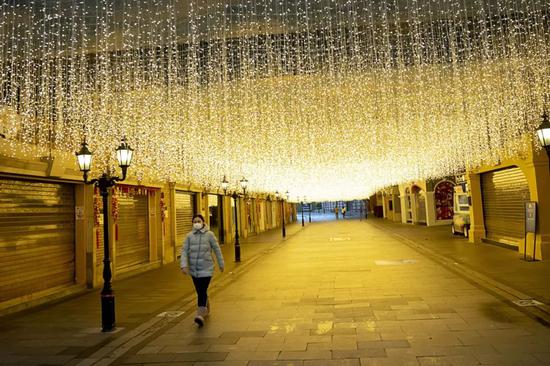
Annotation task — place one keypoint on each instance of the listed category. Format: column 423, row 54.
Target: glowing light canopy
column 329, row 99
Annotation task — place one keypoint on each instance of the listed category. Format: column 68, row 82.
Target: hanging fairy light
column 327, row 98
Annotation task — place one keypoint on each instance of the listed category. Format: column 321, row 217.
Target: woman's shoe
column 202, row 312
column 199, row 320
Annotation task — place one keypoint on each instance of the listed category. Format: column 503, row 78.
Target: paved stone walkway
column 504, row 265
column 347, row 293
column 63, row 332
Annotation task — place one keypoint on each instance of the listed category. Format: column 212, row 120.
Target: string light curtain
column 329, row 99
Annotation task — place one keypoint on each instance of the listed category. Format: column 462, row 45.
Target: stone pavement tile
column 36, row 360
column 211, row 340
column 498, row 339
column 290, row 339
column 305, row 355
column 523, row 347
column 185, row 349
column 348, row 362
column 428, row 351
column 362, row 353
column 147, row 359
column 448, row 361
column 383, row 344
column 164, row 341
column 275, row 363
column 319, row 346
column 345, row 325
column 394, row 361
column 149, row 349
column 344, row 339
column 339, row 331
column 343, row 346
column 436, row 339
column 296, row 346
column 504, row 333
column 509, row 359
column 219, row 363
column 368, row 336
column 251, row 341
column 256, row 355
column 232, row 347
column 393, row 336
column 200, row 356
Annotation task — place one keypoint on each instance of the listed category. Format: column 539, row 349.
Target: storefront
column 131, row 219
column 37, row 237
column 504, row 193
column 215, row 216
column 185, row 209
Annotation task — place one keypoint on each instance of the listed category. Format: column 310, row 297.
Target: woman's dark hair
column 199, row 216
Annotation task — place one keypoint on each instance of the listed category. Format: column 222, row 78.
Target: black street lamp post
column 235, row 196
column 303, row 224
column 124, row 156
column 309, row 211
column 237, row 244
column 282, row 213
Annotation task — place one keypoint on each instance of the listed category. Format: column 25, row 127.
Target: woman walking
column 196, row 261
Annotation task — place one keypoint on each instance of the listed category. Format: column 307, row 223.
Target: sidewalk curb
column 540, row 313
column 115, row 350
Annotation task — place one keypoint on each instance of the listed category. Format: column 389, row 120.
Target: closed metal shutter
column 504, row 195
column 37, row 237
column 185, row 209
column 132, row 246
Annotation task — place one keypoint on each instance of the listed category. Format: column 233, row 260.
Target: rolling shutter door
column 184, row 216
column 504, row 195
column 132, row 246
column 37, row 237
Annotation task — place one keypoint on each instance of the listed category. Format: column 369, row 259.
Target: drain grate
column 528, row 302
column 400, row 262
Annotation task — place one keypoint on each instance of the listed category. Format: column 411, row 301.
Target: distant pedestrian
column 336, row 212
column 196, row 261
column 344, row 212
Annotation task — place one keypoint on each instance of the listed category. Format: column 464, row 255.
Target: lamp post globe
column 124, row 155
column 225, row 184
column 84, row 158
column 244, row 184
column 543, row 132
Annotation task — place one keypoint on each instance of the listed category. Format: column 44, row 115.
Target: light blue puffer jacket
column 197, row 253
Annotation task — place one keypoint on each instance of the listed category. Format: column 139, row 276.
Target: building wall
column 161, row 219
column 535, row 166
column 390, row 209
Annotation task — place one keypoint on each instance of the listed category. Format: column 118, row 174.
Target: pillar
column 537, row 172
column 477, row 224
column 430, row 209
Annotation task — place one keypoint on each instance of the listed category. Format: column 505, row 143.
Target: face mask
column 198, row 225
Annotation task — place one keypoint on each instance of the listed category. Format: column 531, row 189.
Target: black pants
column 201, row 286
